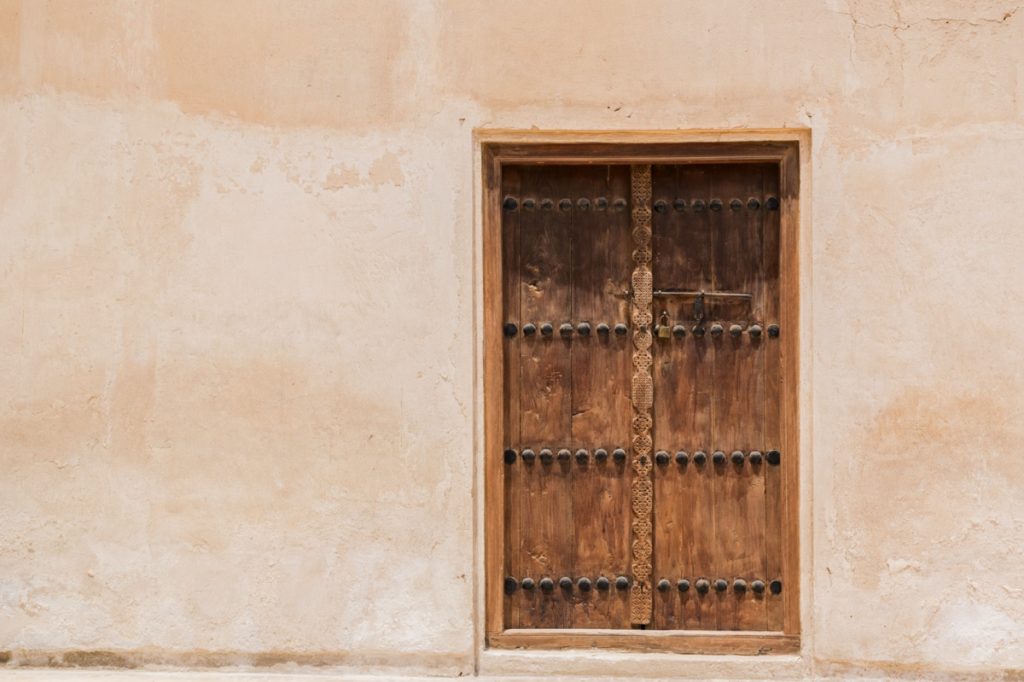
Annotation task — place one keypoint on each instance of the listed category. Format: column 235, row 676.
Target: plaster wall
column 239, row 406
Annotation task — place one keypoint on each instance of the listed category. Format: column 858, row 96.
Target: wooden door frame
column 498, row 148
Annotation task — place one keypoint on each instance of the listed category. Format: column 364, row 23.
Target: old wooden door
column 643, row 394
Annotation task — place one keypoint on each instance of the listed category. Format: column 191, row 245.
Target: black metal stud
column 772, row 203
column 718, row 457
column 682, row 457
column 602, row 583
column 529, row 329
column 661, row 457
column 753, row 204
column 775, row 586
column 698, row 331
column 678, row 331
column 621, row 329
column 755, row 457
column 698, row 205
column 619, row 204
column 546, row 457
column 583, row 203
column 564, row 455
column 584, row 584
column 754, row 331
column 528, row 584
column 547, row 204
column 700, row 457
column 735, row 330
column 702, row 586
column 603, row 329
column 601, row 203
column 619, row 454
column 679, row 204
column 547, row 329
column 547, row 584
column 565, row 204
column 721, row 585
column 773, row 331
column 773, row 457
column 622, row 582
column 582, row 456
column 600, row 454
column 716, row 329
column 757, row 586
column 735, row 204
column 510, row 329
column 683, row 585
column 565, row 329
column 583, row 329
column 565, row 582
column 529, row 204
column 664, row 585
column 510, row 456
column 739, row 585
column 737, row 457
column 510, row 204
column 511, row 584
column 660, row 205
column 528, row 455
column 716, row 204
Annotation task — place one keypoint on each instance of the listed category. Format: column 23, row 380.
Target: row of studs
column 584, row 329
column 511, row 203
column 699, row 457
column 701, row 585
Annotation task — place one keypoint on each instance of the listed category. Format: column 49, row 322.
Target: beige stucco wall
column 239, row 400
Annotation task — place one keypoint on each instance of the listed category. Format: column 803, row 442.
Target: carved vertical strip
column 642, row 492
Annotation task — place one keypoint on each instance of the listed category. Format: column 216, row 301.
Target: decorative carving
column 642, row 491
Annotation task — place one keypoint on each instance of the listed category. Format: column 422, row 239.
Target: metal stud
column 678, row 331
column 716, row 204
column 547, row 204
column 529, row 204
column 510, row 329
column 600, row 454
column 773, row 457
column 619, row 454
column 682, row 457
column 564, row 455
column 716, row 329
column 565, row 329
column 753, row 204
column 661, row 457
column 698, row 331
column 582, row 456
column 718, row 457
column 721, row 585
column 510, row 204
column 757, row 586
column 510, row 456
column 772, row 203
column 755, row 331
column 529, row 329
column 603, row 329
column 547, row 329
column 699, row 457
column 584, row 584
column 735, row 330
column 603, row 583
column 698, row 205
column 621, row 329
column 511, row 584
column 737, row 457
column 565, row 204
column 660, row 205
column 528, row 584
column 679, row 204
column 601, row 203
column 773, row 331
column 622, row 582
column 739, row 585
column 664, row 585
column 565, row 582
column 583, row 329
column 546, row 457
column 547, row 584
column 702, row 586
column 583, row 203
column 755, row 457
column 735, row 204
column 528, row 455
column 683, row 585
column 619, row 204
column 775, row 586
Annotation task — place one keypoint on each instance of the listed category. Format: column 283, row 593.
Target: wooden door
column 642, row 405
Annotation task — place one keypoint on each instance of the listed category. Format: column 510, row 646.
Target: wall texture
column 239, row 394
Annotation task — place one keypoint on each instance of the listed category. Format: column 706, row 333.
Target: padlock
column 664, row 328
